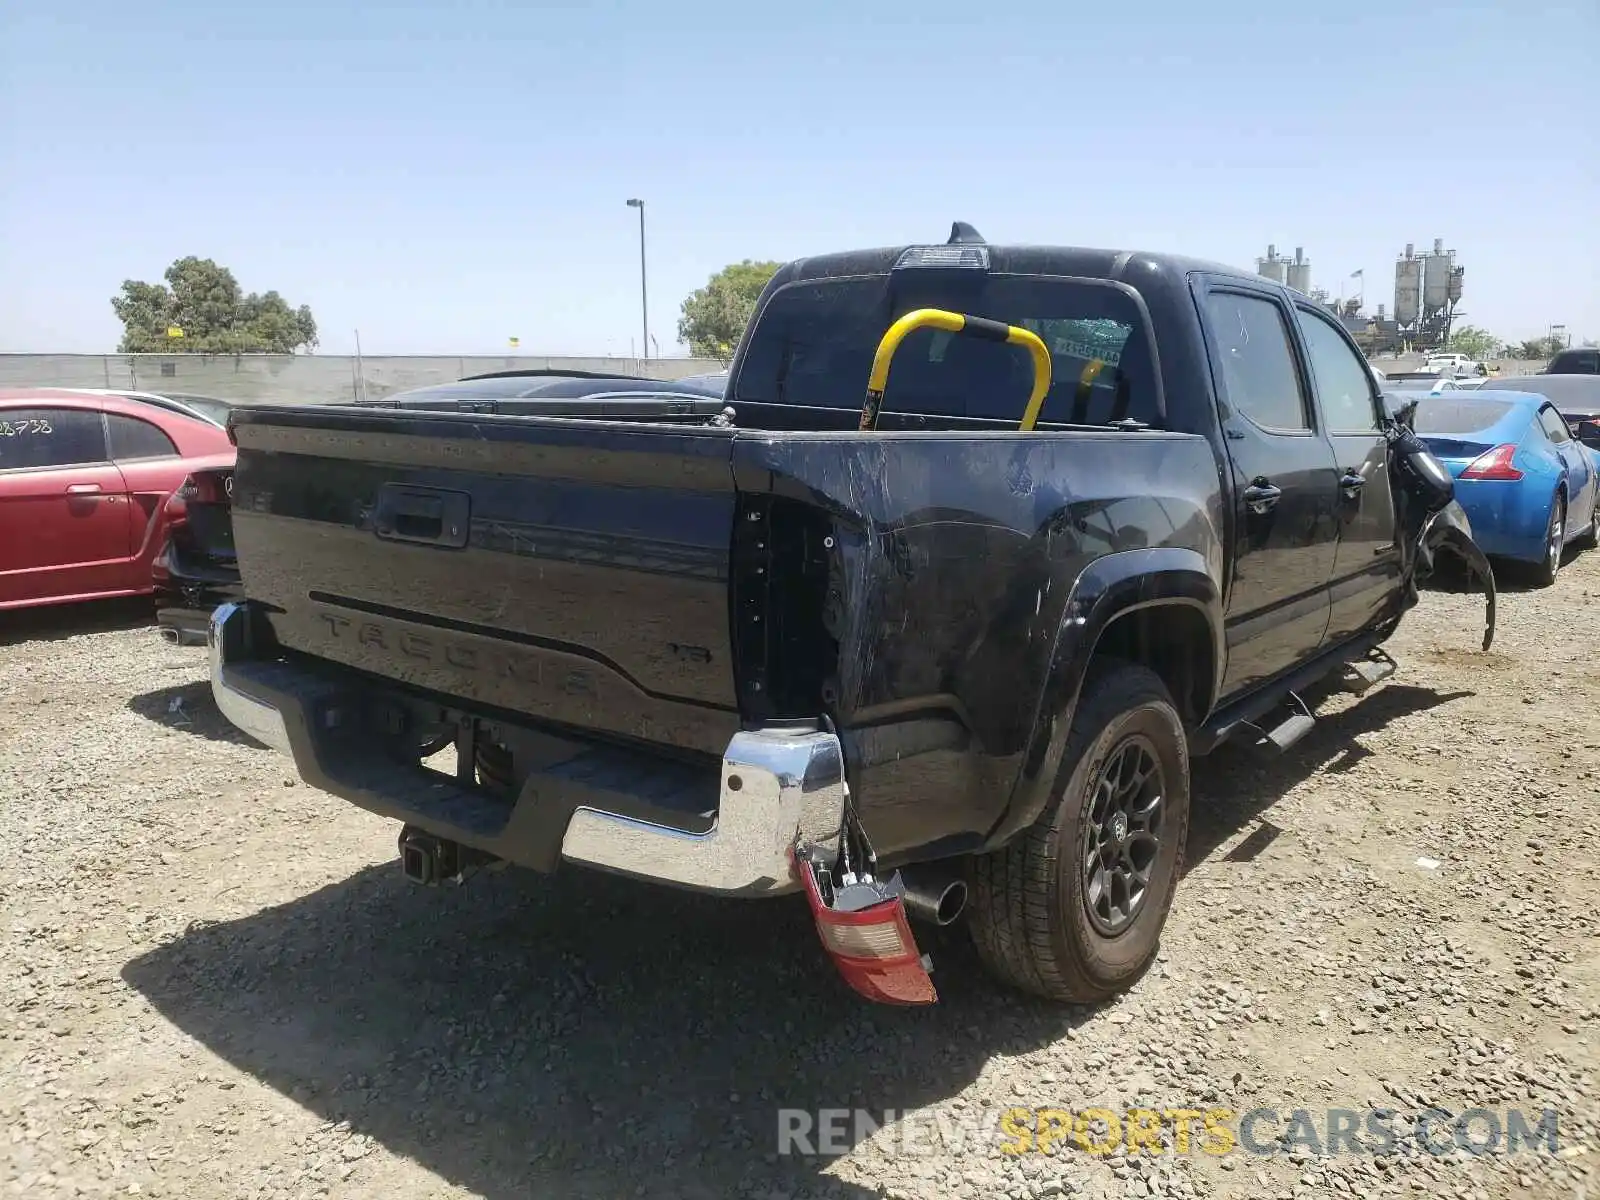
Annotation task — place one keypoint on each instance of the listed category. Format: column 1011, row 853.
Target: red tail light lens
column 872, row 948
column 1496, row 464
column 177, row 506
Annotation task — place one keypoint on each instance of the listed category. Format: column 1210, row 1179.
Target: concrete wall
column 1413, row 362
column 300, row 378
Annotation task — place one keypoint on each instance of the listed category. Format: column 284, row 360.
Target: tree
column 1474, row 342
column 1538, row 348
column 204, row 301
column 714, row 316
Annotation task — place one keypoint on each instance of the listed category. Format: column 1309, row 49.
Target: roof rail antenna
column 962, row 234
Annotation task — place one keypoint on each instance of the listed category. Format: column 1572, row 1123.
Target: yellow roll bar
column 957, row 323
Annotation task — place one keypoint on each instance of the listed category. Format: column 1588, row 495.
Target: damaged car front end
column 1429, row 520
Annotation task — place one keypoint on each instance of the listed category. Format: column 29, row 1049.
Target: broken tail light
column 872, row 946
column 1496, row 464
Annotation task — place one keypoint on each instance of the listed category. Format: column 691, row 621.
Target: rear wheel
column 1591, row 535
column 1073, row 908
column 1554, row 542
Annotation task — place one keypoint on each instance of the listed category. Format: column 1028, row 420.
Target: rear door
column 1285, row 484
column 1366, row 567
column 64, row 523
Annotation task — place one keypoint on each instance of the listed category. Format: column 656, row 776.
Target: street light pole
column 644, row 294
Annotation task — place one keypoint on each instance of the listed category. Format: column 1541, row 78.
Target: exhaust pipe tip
column 170, row 636
column 939, row 902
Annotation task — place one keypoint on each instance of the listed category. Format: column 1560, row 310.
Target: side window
column 1343, row 381
column 1257, row 363
column 133, row 438
column 1554, row 426
column 50, row 437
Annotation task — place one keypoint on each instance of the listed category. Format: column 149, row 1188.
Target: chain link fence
column 304, row 378
column 325, row 379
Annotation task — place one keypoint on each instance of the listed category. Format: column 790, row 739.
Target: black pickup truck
column 927, row 620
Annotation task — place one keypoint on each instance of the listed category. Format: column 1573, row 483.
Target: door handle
column 431, row 516
column 1351, row 483
column 1261, row 496
column 83, row 489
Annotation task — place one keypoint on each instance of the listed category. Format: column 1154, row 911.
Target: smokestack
column 1299, row 255
column 1438, row 245
column 1410, row 247
column 1272, row 252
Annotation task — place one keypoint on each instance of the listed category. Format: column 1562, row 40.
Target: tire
column 1590, row 538
column 1030, row 905
column 1544, row 574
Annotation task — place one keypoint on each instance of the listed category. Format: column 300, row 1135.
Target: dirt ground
column 215, row 982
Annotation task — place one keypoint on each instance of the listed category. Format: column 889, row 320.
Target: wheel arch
column 1160, row 607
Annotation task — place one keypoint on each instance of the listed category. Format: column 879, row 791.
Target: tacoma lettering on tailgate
column 506, row 662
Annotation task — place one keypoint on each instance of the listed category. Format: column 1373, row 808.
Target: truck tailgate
column 574, row 573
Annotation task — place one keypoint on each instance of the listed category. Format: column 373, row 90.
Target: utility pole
column 644, row 294
column 361, row 374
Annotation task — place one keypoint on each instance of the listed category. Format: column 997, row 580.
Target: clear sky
column 445, row 175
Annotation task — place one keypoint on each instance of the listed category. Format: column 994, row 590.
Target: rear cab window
column 814, row 343
column 50, row 437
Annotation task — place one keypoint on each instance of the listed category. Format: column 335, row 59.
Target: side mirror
column 1402, row 411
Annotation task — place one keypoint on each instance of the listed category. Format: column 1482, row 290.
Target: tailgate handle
column 429, row 516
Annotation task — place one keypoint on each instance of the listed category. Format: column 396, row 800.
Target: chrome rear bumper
column 226, row 641
column 781, row 786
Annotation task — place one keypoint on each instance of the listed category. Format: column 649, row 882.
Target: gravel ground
column 217, row 984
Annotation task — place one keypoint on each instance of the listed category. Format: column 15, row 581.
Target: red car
column 84, row 483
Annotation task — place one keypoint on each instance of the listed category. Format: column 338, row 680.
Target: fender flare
column 1110, row 587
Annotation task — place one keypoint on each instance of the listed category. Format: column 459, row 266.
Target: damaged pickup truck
column 940, row 651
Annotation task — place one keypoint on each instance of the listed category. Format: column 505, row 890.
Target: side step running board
column 1259, row 712
column 1290, row 726
column 1363, row 673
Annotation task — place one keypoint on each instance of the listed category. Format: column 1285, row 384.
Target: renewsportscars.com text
column 1263, row 1132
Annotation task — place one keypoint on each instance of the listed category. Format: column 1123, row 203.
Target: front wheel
column 1554, row 542
column 1073, row 908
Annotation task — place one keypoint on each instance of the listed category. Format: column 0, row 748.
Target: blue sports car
column 1527, row 486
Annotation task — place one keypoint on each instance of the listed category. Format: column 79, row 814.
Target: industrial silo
column 1272, row 267
column 1407, row 288
column 1299, row 274
column 1436, row 279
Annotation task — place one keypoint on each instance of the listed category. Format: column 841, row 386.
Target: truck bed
column 668, row 585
